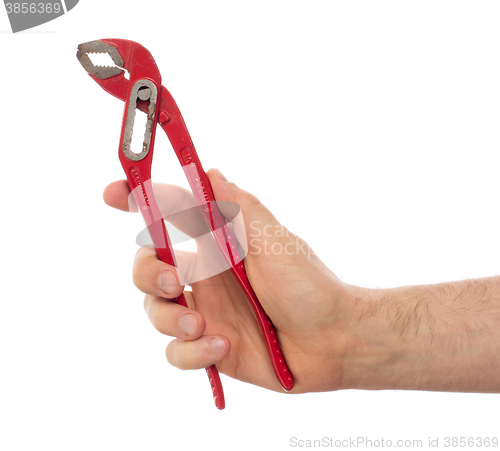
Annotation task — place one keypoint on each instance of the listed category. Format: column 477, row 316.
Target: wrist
column 435, row 337
column 396, row 341
column 373, row 353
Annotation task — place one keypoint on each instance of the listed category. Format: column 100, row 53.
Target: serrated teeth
column 100, row 59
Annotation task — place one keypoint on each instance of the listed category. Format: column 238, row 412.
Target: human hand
column 333, row 335
column 303, row 298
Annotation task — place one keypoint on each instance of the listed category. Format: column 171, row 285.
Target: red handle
column 205, row 197
column 173, row 124
column 146, row 203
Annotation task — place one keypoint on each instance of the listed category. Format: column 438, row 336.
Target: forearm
column 443, row 337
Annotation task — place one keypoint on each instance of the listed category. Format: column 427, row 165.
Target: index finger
column 176, row 204
column 171, row 198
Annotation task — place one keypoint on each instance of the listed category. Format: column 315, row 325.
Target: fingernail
column 221, row 176
column 218, row 345
column 168, row 282
column 188, row 324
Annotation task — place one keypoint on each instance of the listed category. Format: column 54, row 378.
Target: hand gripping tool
column 136, row 80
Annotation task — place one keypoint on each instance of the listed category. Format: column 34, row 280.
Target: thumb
column 254, row 211
column 258, row 221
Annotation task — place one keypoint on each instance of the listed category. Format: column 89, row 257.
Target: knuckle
column 170, row 355
column 136, row 275
column 250, row 200
column 174, row 355
column 154, row 314
column 136, row 267
column 146, row 303
column 157, row 321
column 139, row 254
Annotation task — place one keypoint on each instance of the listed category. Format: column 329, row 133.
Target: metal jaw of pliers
column 142, row 89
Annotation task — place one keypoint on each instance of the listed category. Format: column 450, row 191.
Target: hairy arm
column 443, row 337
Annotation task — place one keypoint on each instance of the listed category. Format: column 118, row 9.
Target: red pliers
column 135, row 79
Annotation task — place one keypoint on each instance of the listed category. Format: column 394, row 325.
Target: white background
column 369, row 128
